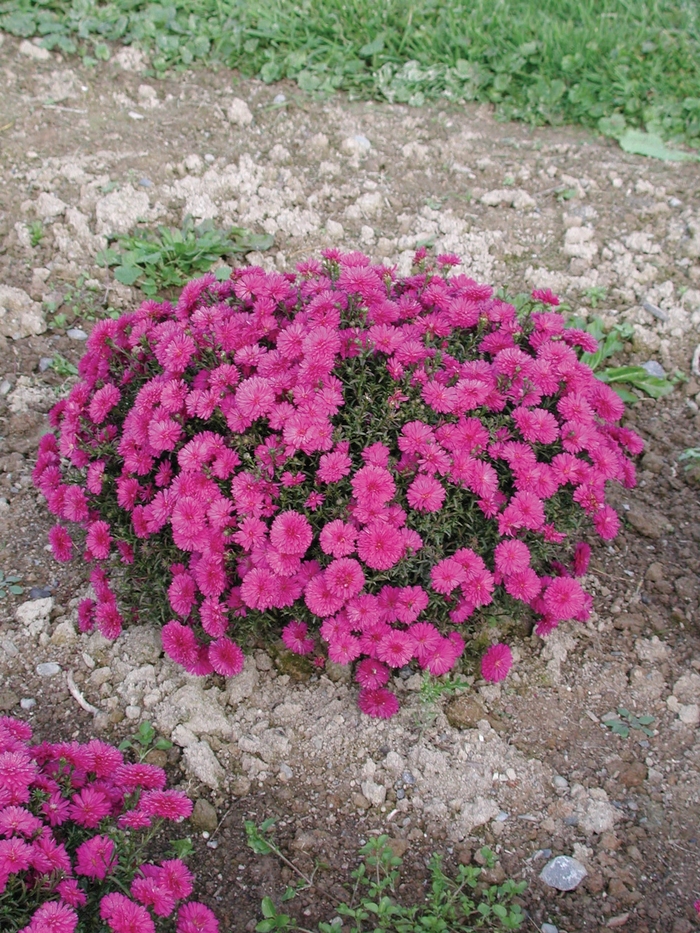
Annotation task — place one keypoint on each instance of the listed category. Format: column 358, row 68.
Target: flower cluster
column 71, row 816
column 344, row 451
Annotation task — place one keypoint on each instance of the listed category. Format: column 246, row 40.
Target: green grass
column 543, row 61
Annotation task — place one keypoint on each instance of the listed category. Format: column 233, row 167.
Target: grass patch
column 542, row 61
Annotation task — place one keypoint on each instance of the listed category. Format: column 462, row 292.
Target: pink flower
column 179, row 643
column 426, row 494
column 167, row 804
column 446, row 575
column 98, row 540
column 54, row 917
column 149, row 892
column 582, row 556
column 103, row 401
column 291, row 533
column 380, row 545
column 395, row 648
column 426, row 640
column 226, row 657
column 90, row 807
column 563, row 598
column 176, row 877
column 371, row 673
column 96, row 858
column 344, row 578
column 546, row 296
column 196, row 918
column 17, row 772
column 511, row 556
column 607, row 523
column 373, row 486
column 496, row 663
column 61, row 543
column 294, row 635
column 124, row 916
column 15, row 856
column 343, row 648
column 333, row 466
column 378, row 702
column 338, row 538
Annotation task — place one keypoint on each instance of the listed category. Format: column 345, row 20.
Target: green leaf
column 127, row 275
column 182, row 847
column 373, row 47
column 19, row 24
column 638, row 142
column 268, row 908
column 16, row 590
column 223, row 273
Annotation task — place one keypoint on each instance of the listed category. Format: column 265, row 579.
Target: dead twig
column 78, row 697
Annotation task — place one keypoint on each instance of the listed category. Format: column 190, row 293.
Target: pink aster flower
column 546, row 296
column 196, row 918
column 511, row 556
column 582, row 557
column 54, row 917
column 103, row 401
column 17, row 772
column 98, row 540
column 378, row 702
column 344, row 577
column 96, row 858
column 71, row 892
column 89, row 807
column 226, row 657
column 426, row 639
column 343, row 648
column 380, row 545
column 373, row 486
column 167, row 804
column 426, row 494
column 523, row 584
column 371, row 673
column 176, row 877
column 447, row 574
column 395, row 648
column 148, row 891
column 443, row 657
column 338, row 538
column 607, row 523
column 179, row 643
column 291, row 533
column 563, row 599
column 333, row 466
column 15, row 856
column 496, row 663
column 295, row 637
column 61, row 543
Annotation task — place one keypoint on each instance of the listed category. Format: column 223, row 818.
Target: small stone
column 116, row 716
column 279, row 99
column 654, row 369
column 619, row 921
column 64, row 634
column 690, row 714
column 263, row 661
column 464, row 712
column 549, row 928
column 133, row 712
column 563, row 873
column 201, row 761
column 204, row 816
column 375, row 793
column 8, row 700
column 634, row 774
column 285, row 773
column 357, row 145
column 361, row 802
column 648, row 522
column 19, row 315
column 37, row 52
column 48, row 669
column 239, row 113
column 46, row 362
column 27, row 703
column 39, row 592
column 653, row 462
column 240, row 786
column 76, row 333
column 687, row 688
column 157, row 757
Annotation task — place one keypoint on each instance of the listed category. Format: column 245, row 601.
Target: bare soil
column 527, row 768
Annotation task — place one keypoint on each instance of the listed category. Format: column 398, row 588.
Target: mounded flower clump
column 351, row 455
column 74, row 820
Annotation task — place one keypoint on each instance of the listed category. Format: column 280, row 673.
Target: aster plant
column 75, row 821
column 362, row 460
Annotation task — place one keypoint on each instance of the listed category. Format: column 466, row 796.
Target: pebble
column 27, row 703
column 5, row 386
column 39, row 592
column 76, row 333
column 8, row 700
column 45, row 363
column 548, row 928
column 279, row 99
column 563, row 873
column 204, row 816
column 654, row 310
column 654, row 369
column 48, row 669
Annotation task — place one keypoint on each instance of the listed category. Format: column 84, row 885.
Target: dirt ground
column 527, row 767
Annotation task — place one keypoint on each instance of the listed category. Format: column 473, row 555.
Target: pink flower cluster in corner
column 230, row 428
column 64, row 809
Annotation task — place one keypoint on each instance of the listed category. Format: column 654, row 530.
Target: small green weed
column 596, row 294
column 63, row 367
column 626, row 721
column 36, row 233
column 460, row 905
column 621, row 378
column 168, row 258
column 692, row 455
column 431, row 689
column 10, row 584
column 143, row 741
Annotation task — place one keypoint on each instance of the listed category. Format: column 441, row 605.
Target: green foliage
column 621, row 378
column 626, row 721
column 63, row 367
column 168, row 258
column 452, row 905
column 36, row 233
column 692, row 455
column 609, row 64
column 10, row 584
column 143, row 741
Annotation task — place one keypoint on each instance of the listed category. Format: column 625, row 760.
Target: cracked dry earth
column 526, row 767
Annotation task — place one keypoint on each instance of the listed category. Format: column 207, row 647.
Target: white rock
column 142, row 644
column 64, row 634
column 563, row 873
column 316, row 145
column 651, row 649
column 118, row 211
column 201, row 761
column 690, row 714
column 375, row 793
column 242, row 685
column 522, row 201
column 371, row 203
column 196, row 708
column 184, row 737
column 48, row 206
column 34, row 614
column 48, row 669
column 687, row 688
column 19, row 315
column 130, row 58
column 37, row 52
column 194, row 164
column 239, row 112
column 598, row 816
column 497, row 196
column 335, row 230
column 356, row 146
